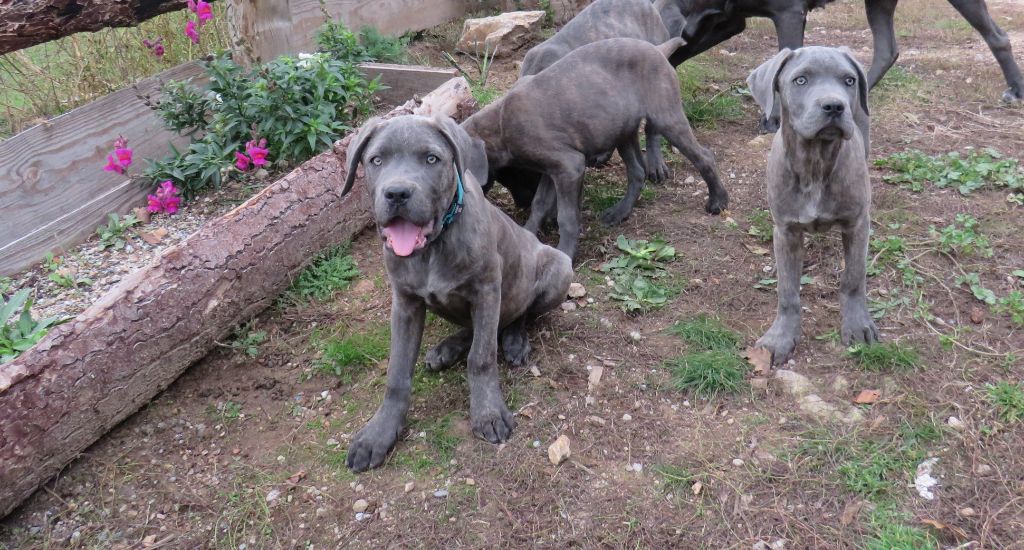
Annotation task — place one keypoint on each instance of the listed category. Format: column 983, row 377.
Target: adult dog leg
column 975, row 12
column 371, row 445
column 784, row 333
column 488, row 414
column 858, row 327
column 679, row 134
column 630, row 153
column 880, row 14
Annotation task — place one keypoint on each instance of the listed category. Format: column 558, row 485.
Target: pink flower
column 113, row 165
column 241, row 161
column 191, row 32
column 165, row 199
column 257, row 151
column 156, row 47
column 192, row 6
column 122, row 157
column 158, row 50
column 204, row 11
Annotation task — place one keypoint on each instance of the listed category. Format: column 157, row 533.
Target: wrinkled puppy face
column 410, row 176
column 819, row 89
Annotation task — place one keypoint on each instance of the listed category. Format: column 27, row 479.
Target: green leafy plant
column 1008, row 399
column 61, row 276
column 634, row 273
column 708, row 373
column 1012, row 304
column 966, row 173
column 885, row 357
column 113, row 235
column 962, row 237
column 761, row 226
column 18, row 330
column 483, row 93
column 329, row 272
column 6, row 284
column 335, row 38
column 973, row 281
column 247, row 340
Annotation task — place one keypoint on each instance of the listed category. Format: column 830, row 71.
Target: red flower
column 241, row 161
column 257, row 151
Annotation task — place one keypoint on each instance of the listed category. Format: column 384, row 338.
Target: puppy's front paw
column 657, row 173
column 716, row 204
column 1012, row 96
column 515, row 345
column 614, row 215
column 781, row 339
column 371, row 446
column 492, row 421
column 859, row 328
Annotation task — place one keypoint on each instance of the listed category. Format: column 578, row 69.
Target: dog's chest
column 443, row 291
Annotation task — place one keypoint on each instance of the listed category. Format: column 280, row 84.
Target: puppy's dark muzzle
column 397, row 196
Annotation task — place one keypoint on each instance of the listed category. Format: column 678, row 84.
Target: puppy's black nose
column 397, row 195
column 833, row 107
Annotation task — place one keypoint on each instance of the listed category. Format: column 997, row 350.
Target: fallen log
column 89, row 374
column 29, row 22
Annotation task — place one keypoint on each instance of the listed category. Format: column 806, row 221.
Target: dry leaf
column 760, row 359
column 850, row 512
column 759, row 250
column 696, row 487
column 559, row 450
column 297, row 477
column 153, row 237
column 957, row 532
column 867, row 397
column 595, row 377
column 142, row 214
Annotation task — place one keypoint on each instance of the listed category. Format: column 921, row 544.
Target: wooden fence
column 53, row 190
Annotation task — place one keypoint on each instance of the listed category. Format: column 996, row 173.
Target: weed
column 674, row 478
column 330, row 272
column 6, row 285
column 549, row 12
column 440, row 438
column 706, row 333
column 761, row 226
column 708, row 373
column 885, row 357
column 247, row 340
column 481, row 91
column 769, row 283
column 832, row 336
column 1008, row 399
column 339, row 356
column 870, row 471
column 962, row 238
column 601, row 192
column 967, row 173
column 64, row 278
column 892, row 533
column 335, row 38
column 634, row 274
column 225, row 412
column 704, row 106
column 973, row 281
column 894, row 300
column 1013, row 304
column 18, row 330
column 112, row 235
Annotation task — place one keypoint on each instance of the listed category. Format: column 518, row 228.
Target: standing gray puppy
column 817, row 178
column 449, row 250
column 591, row 101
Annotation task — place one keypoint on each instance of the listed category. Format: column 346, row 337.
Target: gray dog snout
column 397, row 194
column 833, row 107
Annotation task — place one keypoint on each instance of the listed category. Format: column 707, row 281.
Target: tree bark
column 89, row 374
column 25, row 23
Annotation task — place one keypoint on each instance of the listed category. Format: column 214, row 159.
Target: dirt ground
column 248, row 452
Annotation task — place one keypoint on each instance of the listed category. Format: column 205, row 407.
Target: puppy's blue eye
column 800, row 80
column 850, row 81
column 431, row 159
column 376, row 161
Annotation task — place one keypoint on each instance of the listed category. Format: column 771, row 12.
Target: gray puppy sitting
column 817, row 179
column 449, row 250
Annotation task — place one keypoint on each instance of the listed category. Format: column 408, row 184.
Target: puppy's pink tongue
column 403, row 236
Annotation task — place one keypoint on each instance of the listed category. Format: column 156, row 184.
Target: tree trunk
column 89, row 374
column 25, row 23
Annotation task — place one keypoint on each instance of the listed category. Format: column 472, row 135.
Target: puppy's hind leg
column 858, row 327
column 543, row 205
column 449, row 351
column 657, row 170
column 554, row 274
column 678, row 132
column 630, row 153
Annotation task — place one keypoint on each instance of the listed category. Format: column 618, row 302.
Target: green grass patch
column 674, row 478
column 343, row 356
column 602, row 192
column 706, row 333
column 885, row 357
column 1008, row 399
column 704, row 105
column 708, row 373
column 965, row 172
column 890, row 532
column 485, row 94
column 330, row 272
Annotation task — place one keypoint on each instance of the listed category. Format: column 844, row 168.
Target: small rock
column 321, row 512
column 273, row 495
column 955, row 423
column 696, row 487
column 569, row 306
column 983, row 469
column 595, row 377
column 605, row 322
column 627, row 417
column 637, row 467
column 635, row 335
column 441, row 493
column 470, row 481
column 967, row 512
column 737, row 462
column 501, row 34
column 360, row 505
column 596, row 420
column 977, row 315
column 332, row 442
column 410, row 486
column 559, row 451
column 360, row 516
column 759, row 383
column 535, row 371
column 577, row 290
column 689, row 180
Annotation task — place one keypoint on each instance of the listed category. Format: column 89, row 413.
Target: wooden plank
column 261, row 30
column 405, row 81
column 53, row 190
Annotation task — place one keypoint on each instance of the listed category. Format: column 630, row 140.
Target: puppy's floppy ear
column 355, row 150
column 469, row 152
column 763, row 80
column 862, row 81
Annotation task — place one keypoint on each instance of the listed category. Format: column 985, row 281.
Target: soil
column 248, row 452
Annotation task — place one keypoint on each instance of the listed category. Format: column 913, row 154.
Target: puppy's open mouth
column 404, row 237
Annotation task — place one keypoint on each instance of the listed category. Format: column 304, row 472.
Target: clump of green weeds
column 1008, row 399
column 637, row 273
column 891, row 356
column 330, row 272
column 962, row 237
column 1013, row 305
column 708, row 373
column 248, row 340
column 340, row 356
column 761, row 226
column 966, row 173
column 704, row 332
column 113, row 235
column 704, row 105
column 19, row 331
column 63, row 277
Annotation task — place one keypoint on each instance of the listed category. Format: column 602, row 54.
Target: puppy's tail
column 670, row 46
